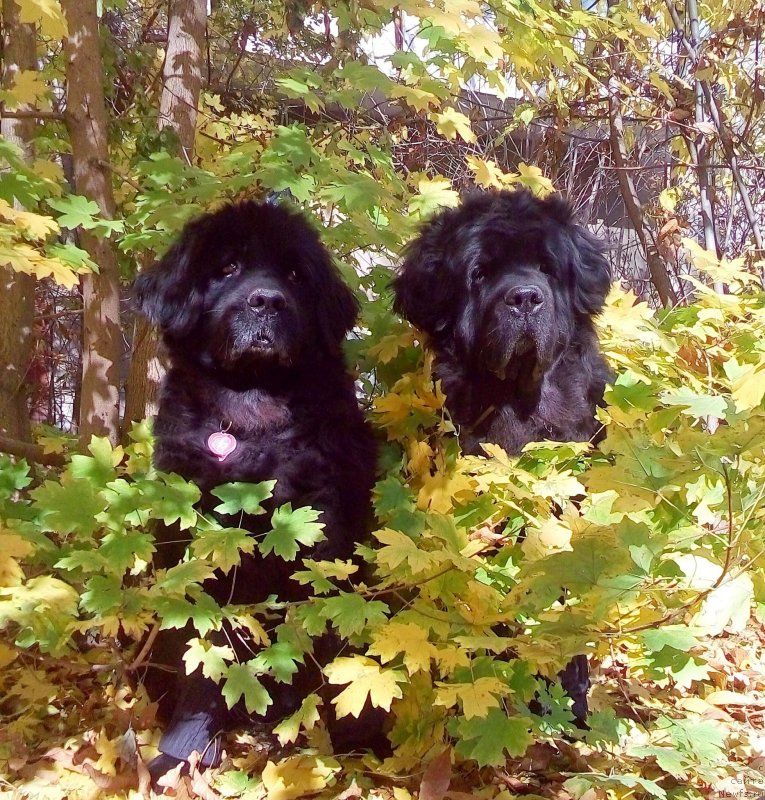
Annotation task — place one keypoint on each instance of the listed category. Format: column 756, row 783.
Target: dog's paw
column 161, row 766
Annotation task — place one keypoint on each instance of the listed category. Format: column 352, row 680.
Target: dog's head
column 248, row 286
column 503, row 279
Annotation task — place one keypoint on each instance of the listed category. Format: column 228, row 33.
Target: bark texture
column 181, row 85
column 16, row 290
column 87, row 123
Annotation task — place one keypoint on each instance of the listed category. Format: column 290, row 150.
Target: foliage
column 484, row 575
column 488, row 573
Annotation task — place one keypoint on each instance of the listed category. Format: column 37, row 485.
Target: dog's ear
column 340, row 308
column 166, row 293
column 422, row 290
column 588, row 271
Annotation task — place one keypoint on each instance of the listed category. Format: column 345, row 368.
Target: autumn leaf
column 305, row 719
column 290, row 529
column 298, row 776
column 407, row 638
column 365, row 679
column 476, row 698
column 451, row 124
column 241, row 682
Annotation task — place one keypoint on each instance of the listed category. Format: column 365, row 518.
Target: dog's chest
column 243, row 429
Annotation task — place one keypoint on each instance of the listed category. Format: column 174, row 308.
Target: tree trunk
column 16, row 289
column 181, row 85
column 182, row 70
column 656, row 267
column 87, row 123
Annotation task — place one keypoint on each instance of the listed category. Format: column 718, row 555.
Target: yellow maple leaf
column 109, row 750
column 558, row 487
column 28, row 89
column 486, row 173
column 452, row 123
column 552, row 536
column 387, row 348
column 418, row 99
column 406, row 638
column 393, row 408
column 365, row 678
column 451, row 659
column 298, row 776
column 420, row 455
column 476, row 698
column 481, row 605
column 532, row 178
column 36, row 226
column 304, row 718
column 433, row 195
column 23, row 258
column 45, row 13
column 749, row 388
column 439, row 490
column 12, row 547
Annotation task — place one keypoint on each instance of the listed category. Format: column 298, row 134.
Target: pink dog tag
column 221, row 444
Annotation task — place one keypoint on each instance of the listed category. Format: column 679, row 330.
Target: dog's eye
column 477, row 274
column 293, row 276
column 230, row 269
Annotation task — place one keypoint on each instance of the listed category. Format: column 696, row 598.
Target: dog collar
column 221, row 444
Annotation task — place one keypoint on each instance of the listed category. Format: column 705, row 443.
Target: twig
column 138, row 661
column 31, row 452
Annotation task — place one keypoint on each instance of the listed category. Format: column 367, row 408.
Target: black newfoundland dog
column 253, row 314
column 506, row 287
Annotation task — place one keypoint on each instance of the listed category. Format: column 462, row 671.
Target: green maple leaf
column 103, row 595
column 86, row 560
column 175, row 612
column 121, row 549
column 214, row 659
column 695, row 404
column 490, row 739
column 241, row 682
column 70, row 506
column 280, row 660
column 172, row 500
column 100, row 468
column 13, row 477
column 391, row 495
column 77, row 211
column 291, row 529
column 247, row 497
column 126, row 504
column 350, row 613
column 182, row 576
column 223, row 546
column 679, row 637
column 311, row 617
column 318, row 574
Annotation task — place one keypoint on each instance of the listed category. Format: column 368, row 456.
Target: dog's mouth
column 261, row 342
column 517, row 351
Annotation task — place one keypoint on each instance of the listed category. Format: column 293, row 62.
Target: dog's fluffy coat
column 506, row 287
column 253, row 314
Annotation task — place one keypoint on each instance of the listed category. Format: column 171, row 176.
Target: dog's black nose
column 263, row 301
column 524, row 299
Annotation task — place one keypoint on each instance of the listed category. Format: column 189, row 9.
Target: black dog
column 253, row 314
column 506, row 287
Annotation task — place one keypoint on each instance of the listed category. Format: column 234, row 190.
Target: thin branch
column 32, row 114
column 726, row 139
column 31, row 452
